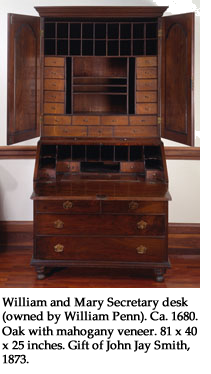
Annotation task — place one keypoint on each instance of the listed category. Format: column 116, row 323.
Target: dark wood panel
column 177, row 78
column 23, row 118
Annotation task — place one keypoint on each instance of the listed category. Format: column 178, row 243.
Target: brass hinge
column 160, row 33
column 41, row 33
column 159, row 120
column 192, row 83
column 41, row 120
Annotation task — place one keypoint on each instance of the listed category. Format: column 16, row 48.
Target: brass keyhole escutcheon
column 141, row 250
column 67, row 205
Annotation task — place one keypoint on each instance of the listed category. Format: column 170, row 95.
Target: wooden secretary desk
column 103, row 84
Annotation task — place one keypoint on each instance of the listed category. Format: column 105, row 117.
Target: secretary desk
column 102, row 84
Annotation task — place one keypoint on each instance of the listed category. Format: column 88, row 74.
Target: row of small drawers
column 143, row 108
column 100, row 120
column 100, row 206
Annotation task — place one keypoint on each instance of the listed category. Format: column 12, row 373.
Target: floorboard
column 16, row 272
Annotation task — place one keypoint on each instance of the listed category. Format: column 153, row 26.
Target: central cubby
column 100, row 85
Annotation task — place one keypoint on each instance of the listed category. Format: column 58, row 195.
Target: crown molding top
column 101, row 11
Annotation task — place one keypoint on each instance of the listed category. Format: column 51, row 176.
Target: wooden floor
column 16, row 272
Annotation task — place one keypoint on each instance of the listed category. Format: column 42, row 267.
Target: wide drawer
column 124, row 249
column 67, row 206
column 85, row 224
column 134, row 207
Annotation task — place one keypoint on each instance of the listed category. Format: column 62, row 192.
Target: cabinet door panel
column 23, row 78
column 177, row 77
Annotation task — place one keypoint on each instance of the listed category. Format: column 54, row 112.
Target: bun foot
column 40, row 272
column 159, row 275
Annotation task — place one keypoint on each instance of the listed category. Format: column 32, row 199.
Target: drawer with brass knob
column 101, row 224
column 67, row 206
column 134, row 207
column 109, row 249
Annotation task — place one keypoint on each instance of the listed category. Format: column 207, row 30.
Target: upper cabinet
column 114, row 72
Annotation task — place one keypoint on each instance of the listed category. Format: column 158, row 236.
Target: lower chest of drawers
column 100, row 233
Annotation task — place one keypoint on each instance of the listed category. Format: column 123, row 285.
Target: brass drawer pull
column 67, row 205
column 141, row 225
column 141, row 250
column 133, row 205
column 59, row 248
column 58, row 224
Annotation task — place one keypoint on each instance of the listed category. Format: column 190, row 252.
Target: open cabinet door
column 177, row 101
column 23, row 78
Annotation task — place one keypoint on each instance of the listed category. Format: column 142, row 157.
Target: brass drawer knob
column 67, row 205
column 133, row 205
column 141, row 225
column 141, row 250
column 58, row 224
column 58, row 248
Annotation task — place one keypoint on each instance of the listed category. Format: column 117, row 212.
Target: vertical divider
column 127, row 85
column 72, row 75
column 131, row 41
column 145, row 42
column 81, row 38
column 94, row 39
column 56, row 38
column 100, row 145
column 85, row 152
column 106, row 39
column 119, row 39
column 68, row 39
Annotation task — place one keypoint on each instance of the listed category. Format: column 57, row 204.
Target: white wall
column 16, row 175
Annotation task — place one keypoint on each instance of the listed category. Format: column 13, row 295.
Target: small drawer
column 146, row 84
column 132, row 167
column 67, row 166
column 100, row 131
column 54, row 73
column 147, row 108
column 134, row 207
column 64, row 131
column 120, row 225
column 146, row 73
column 114, row 120
column 146, row 61
column 53, row 108
column 67, row 206
column 124, row 249
column 46, row 173
column 54, row 61
column 154, row 175
column 54, row 97
column 135, row 131
column 86, row 120
column 143, row 120
column 146, row 97
column 57, row 120
column 54, row 84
